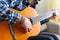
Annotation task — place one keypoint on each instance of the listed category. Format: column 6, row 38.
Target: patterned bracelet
column 22, row 20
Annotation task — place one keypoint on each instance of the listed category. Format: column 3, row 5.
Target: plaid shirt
column 8, row 15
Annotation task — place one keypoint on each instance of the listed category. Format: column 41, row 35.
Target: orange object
column 19, row 31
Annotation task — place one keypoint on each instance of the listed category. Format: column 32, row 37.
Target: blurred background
column 44, row 6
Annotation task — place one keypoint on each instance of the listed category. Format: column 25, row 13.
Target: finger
column 26, row 29
column 29, row 29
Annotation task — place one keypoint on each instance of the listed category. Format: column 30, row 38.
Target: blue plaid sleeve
column 18, row 5
column 7, row 15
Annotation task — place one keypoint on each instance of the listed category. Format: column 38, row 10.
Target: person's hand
column 53, row 16
column 27, row 25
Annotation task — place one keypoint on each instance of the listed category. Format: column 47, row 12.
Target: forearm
column 8, row 15
column 13, row 17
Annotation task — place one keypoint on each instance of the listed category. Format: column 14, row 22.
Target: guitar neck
column 42, row 17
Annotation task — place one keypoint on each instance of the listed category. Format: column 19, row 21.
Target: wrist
column 21, row 19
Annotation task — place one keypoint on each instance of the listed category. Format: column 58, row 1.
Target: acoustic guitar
column 5, row 33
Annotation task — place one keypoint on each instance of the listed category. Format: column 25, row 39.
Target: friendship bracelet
column 22, row 20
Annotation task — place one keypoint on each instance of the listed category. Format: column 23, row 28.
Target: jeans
column 45, row 36
column 53, row 35
column 41, row 37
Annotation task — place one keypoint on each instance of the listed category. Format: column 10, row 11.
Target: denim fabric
column 49, row 34
column 41, row 37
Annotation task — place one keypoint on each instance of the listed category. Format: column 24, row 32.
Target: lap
column 41, row 37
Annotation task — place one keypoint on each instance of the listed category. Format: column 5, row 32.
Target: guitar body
column 19, row 31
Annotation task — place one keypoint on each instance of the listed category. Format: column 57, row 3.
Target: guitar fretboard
column 42, row 17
